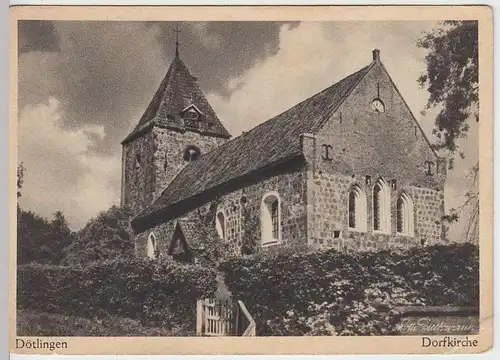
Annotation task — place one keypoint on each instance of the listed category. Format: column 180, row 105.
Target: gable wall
column 292, row 189
column 364, row 142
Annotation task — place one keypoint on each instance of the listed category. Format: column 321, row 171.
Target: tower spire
column 177, row 31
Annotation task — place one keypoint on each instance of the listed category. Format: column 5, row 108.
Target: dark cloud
column 105, row 73
column 37, row 35
column 217, row 51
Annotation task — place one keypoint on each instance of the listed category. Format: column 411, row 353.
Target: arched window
column 192, row 153
column 220, row 225
column 381, row 207
column 151, row 250
column 404, row 223
column 270, row 219
column 357, row 209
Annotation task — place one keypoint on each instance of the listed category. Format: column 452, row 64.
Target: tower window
column 137, row 160
column 192, row 153
column 270, row 219
column 191, row 114
column 151, row 246
column 191, row 117
column 404, row 223
column 381, row 207
column 165, row 162
column 357, row 209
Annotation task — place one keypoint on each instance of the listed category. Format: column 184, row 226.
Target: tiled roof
column 178, row 90
column 194, row 234
column 269, row 143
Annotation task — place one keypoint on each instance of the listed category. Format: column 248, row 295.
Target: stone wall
column 169, row 149
column 236, row 202
column 137, row 173
column 357, row 142
column 330, row 216
column 162, row 156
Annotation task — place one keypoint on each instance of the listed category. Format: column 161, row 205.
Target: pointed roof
column 191, row 234
column 178, row 90
column 268, row 144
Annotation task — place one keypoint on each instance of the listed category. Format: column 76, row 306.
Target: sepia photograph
column 256, row 178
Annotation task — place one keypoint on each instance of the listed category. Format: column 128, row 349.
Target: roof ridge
column 268, row 143
column 305, row 100
column 243, row 134
column 246, row 133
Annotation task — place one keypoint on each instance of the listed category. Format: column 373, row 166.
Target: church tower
column 178, row 126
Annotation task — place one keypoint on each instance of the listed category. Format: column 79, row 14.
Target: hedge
column 338, row 293
column 36, row 323
column 152, row 292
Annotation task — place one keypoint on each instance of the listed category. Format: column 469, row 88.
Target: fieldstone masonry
column 161, row 154
column 233, row 203
column 169, row 148
column 356, row 145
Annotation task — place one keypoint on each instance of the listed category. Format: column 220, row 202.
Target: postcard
column 251, row 179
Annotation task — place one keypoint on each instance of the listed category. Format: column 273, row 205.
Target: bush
column 162, row 294
column 105, row 237
column 337, row 293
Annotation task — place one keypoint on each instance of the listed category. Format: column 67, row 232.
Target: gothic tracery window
column 381, row 207
column 357, row 209
column 404, row 221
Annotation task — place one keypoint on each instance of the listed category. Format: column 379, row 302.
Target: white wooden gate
column 223, row 318
column 215, row 317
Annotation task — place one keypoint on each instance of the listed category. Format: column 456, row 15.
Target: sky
column 84, row 85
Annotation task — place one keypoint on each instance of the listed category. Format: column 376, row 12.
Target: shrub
column 156, row 293
column 105, row 237
column 337, row 293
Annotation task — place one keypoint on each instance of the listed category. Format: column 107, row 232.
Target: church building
column 347, row 168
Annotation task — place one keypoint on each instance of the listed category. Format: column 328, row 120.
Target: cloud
column 61, row 173
column 37, row 35
column 303, row 67
column 104, row 74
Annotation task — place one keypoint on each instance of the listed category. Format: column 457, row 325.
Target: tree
column 108, row 236
column 61, row 236
column 39, row 240
column 452, row 80
column 32, row 234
